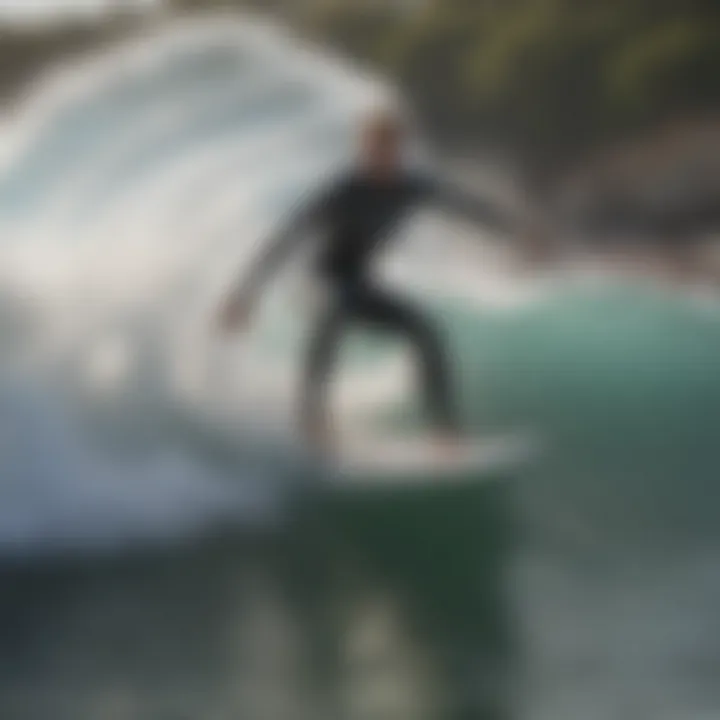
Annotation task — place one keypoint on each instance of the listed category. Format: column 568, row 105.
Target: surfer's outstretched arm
column 460, row 198
column 298, row 225
column 305, row 217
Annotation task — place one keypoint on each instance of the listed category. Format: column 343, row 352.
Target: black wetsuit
column 356, row 216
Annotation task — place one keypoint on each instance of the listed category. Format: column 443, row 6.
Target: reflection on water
column 357, row 611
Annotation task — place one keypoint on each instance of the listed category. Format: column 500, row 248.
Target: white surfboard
column 417, row 459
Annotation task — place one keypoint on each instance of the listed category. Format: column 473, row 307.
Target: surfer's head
column 383, row 136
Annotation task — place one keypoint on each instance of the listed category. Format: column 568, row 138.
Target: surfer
column 354, row 216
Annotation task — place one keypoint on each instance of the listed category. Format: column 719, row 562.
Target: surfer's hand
column 236, row 314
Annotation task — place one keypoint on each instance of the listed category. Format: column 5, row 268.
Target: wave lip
column 125, row 200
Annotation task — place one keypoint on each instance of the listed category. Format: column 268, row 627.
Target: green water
column 620, row 383
column 584, row 584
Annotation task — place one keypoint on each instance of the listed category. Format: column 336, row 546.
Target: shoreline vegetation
column 608, row 114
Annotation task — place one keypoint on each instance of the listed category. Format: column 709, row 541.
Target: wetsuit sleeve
column 305, row 217
column 460, row 198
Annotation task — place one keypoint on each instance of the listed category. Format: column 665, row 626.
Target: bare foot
column 447, row 445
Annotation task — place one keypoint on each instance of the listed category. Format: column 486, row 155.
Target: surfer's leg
column 321, row 355
column 397, row 315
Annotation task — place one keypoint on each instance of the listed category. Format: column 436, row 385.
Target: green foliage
column 549, row 78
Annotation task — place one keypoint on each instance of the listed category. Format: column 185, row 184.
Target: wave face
column 133, row 186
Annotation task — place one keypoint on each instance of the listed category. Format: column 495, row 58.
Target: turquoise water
column 591, row 571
